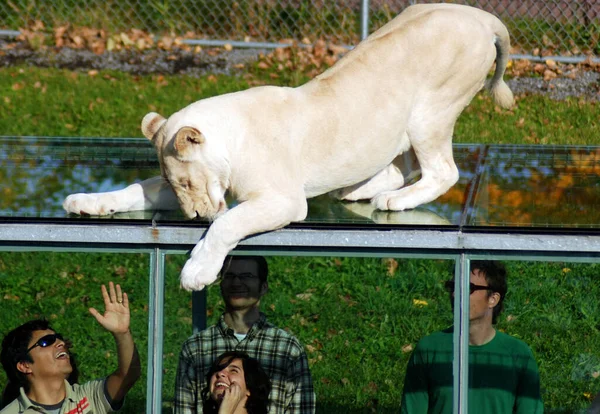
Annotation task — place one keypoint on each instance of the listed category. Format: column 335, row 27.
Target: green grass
column 50, row 102
column 356, row 318
column 534, row 120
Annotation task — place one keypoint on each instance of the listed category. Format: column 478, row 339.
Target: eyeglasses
column 449, row 285
column 45, row 341
column 241, row 276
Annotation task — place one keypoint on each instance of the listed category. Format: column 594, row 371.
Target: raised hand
column 232, row 399
column 116, row 314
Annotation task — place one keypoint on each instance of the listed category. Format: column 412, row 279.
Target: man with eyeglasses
column 242, row 327
column 503, row 374
column 42, row 373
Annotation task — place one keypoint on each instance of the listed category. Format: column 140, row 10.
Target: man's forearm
column 129, row 369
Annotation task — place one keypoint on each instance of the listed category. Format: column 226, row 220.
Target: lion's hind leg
column 439, row 173
column 401, row 171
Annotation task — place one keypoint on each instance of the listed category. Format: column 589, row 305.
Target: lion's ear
column 186, row 138
column 151, row 124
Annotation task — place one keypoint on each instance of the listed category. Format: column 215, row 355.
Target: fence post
column 364, row 19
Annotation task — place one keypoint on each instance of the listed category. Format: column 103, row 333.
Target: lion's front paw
column 88, row 204
column 199, row 271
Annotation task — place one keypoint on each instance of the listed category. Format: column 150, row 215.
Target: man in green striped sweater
column 503, row 374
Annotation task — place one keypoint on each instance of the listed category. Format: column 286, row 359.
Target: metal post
column 364, row 19
column 155, row 332
column 198, row 311
column 461, row 336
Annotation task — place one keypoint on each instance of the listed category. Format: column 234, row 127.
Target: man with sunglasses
column 503, row 374
column 42, row 374
column 244, row 328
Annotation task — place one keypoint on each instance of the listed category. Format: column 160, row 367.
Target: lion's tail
column 499, row 90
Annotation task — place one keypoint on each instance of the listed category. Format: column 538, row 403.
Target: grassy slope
column 61, row 103
column 356, row 366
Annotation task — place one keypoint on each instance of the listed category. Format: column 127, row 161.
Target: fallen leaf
column 304, row 296
column 392, row 266
column 549, row 75
column 420, row 303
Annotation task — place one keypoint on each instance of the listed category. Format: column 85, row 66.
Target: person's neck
column 241, row 320
column 481, row 332
column 47, row 391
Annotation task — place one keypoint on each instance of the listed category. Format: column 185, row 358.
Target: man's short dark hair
column 14, row 350
column 261, row 263
column 257, row 382
column 495, row 276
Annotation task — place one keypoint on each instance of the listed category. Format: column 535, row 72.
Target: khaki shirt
column 89, row 398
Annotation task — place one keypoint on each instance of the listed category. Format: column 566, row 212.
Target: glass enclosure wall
column 359, row 318
column 61, row 287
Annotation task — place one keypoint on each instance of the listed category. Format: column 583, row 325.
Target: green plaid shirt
column 280, row 354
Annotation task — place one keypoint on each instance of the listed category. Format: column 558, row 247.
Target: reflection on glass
column 532, row 186
column 524, row 186
column 38, row 173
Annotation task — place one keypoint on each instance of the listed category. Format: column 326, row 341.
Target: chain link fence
column 538, row 27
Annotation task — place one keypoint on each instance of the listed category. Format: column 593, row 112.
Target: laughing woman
column 236, row 384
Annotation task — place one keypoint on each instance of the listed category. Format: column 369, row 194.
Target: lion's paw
column 390, row 201
column 198, row 272
column 88, row 204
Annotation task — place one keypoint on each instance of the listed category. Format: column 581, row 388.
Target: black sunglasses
column 45, row 341
column 472, row 287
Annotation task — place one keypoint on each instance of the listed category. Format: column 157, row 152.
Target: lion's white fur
column 362, row 129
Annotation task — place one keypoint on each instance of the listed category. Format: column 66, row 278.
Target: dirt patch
column 153, row 61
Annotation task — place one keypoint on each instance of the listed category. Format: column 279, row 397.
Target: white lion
column 382, row 114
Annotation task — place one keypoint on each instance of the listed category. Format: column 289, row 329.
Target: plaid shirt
column 281, row 355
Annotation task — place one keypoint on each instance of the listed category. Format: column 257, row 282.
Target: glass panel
column 553, row 308
column 539, row 186
column 359, row 320
column 61, row 287
column 504, row 186
column 39, row 172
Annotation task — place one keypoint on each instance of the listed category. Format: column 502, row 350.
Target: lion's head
column 196, row 169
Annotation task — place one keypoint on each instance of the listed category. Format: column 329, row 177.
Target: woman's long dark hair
column 257, row 382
